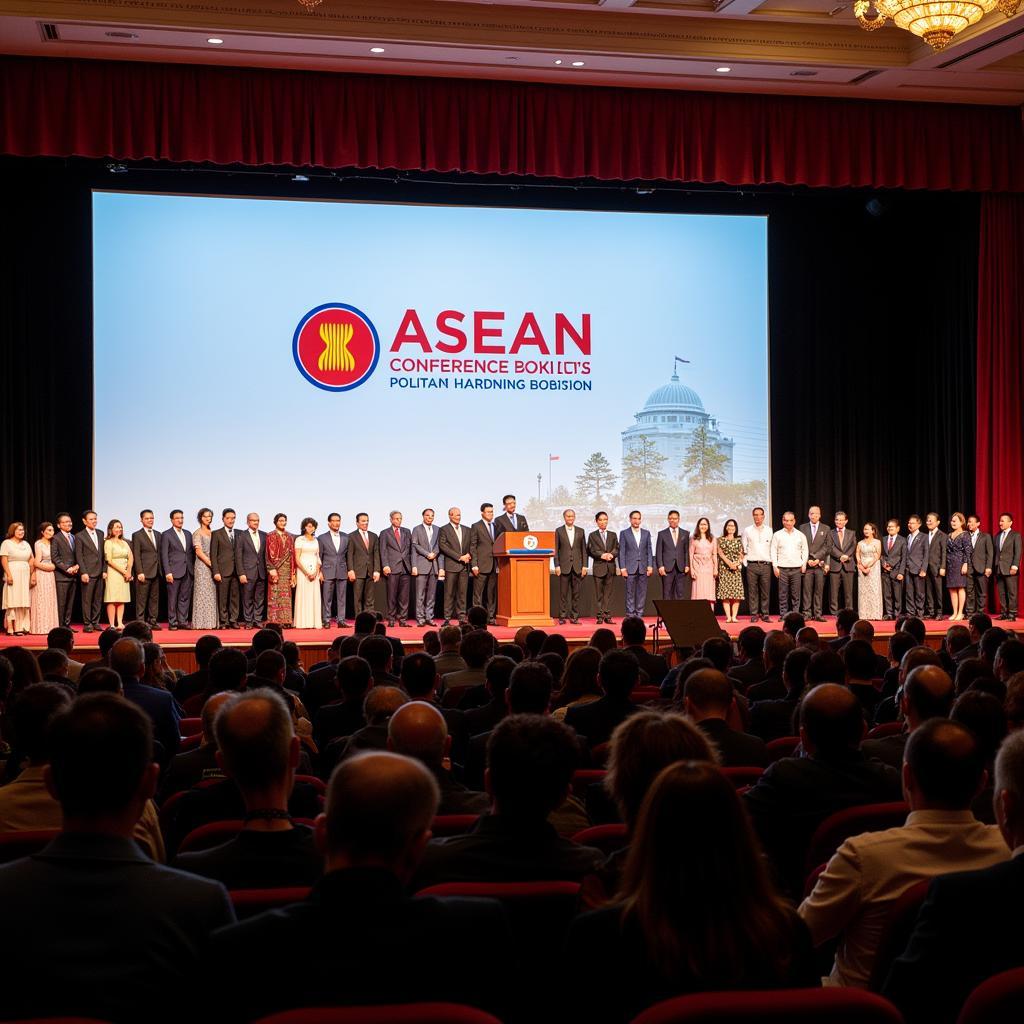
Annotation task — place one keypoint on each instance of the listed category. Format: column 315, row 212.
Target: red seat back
column 853, row 821
column 643, row 694
column 211, row 834
column 453, row 824
column 885, row 729
column 15, row 845
column 599, row 755
column 311, row 780
column 190, row 726
column 409, row 1013
column 742, row 775
column 606, row 838
column 897, row 930
column 190, row 742
column 249, row 902
column 996, row 1001
column 584, row 778
column 782, row 747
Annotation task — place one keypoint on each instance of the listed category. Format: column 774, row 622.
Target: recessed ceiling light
column 558, row 62
column 122, row 35
column 723, row 71
column 376, row 49
column 577, row 63
column 214, row 41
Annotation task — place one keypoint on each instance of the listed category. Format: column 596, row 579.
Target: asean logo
column 336, row 347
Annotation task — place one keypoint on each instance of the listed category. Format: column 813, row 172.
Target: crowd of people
column 228, row 577
column 333, row 781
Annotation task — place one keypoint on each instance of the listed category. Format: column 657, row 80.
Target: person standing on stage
column 789, row 563
column 334, row 569
column 363, row 563
column 280, row 572
column 43, row 604
column 704, row 562
column 958, row 563
column 981, row 567
column 204, row 589
column 176, row 563
column 251, row 564
column 117, row 560
column 483, row 564
column 146, row 562
column 817, row 565
column 841, row 562
column 603, row 548
column 19, row 570
column 757, row 540
column 917, row 567
column 894, row 567
column 65, row 564
column 937, row 541
column 730, row 569
column 1008, row 551
column 396, row 564
column 453, row 541
column 225, row 574
column 570, row 566
column 89, row 552
column 510, row 519
column 308, row 604
column 636, row 561
column 869, row 583
column 425, row 567
column 672, row 557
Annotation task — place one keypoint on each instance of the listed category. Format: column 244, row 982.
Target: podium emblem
column 530, row 542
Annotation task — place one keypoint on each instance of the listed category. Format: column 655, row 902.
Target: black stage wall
column 873, row 327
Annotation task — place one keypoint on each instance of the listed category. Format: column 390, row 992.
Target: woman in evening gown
column 117, row 561
column 869, row 580
column 43, row 608
column 19, row 571
column 281, row 572
column 703, row 562
column 307, row 577
column 204, row 591
column 730, row 569
column 958, row 561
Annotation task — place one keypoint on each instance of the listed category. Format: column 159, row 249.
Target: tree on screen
column 704, row 463
column 596, row 474
column 643, row 477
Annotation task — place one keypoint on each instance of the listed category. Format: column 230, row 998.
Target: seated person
column 617, row 674
column 707, row 699
column 379, row 704
column 773, row 719
column 343, row 717
column 193, row 766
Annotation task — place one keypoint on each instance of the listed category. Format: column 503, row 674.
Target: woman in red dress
column 281, row 570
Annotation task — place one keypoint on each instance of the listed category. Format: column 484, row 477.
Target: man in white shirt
column 789, row 563
column 757, row 557
column 943, row 771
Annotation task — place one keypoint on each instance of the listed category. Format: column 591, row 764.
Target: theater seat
column 212, row 834
column 606, row 838
column 190, row 726
column 782, row 747
column 583, row 779
column 190, row 742
column 853, row 821
column 644, row 694
column 410, row 1013
column 599, row 755
column 999, row 1000
column 453, row 824
column 885, row 729
column 784, row 1006
column 897, row 931
column 742, row 775
column 15, row 845
column 312, row 780
column 250, row 902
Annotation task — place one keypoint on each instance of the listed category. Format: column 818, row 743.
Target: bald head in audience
column 381, row 702
column 927, row 693
column 257, row 746
column 209, row 714
column 419, row 730
column 831, row 721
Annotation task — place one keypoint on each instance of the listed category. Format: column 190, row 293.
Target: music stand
column 689, row 623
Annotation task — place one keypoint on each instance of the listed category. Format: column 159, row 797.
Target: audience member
column 808, row 637
column 199, row 681
column 990, row 642
column 603, row 639
column 533, row 642
column 750, row 670
column 956, row 642
column 431, row 643
column 888, row 709
column 322, row 682
column 1008, row 662
column 556, row 644
column 845, row 619
column 792, row 623
column 379, row 704
column 513, row 651
column 969, row 671
column 707, row 698
column 100, row 680
column 579, row 681
column 617, row 674
column 343, row 717
column 985, row 716
column 1014, row 703
column 53, row 667
column 127, row 659
column 772, row 687
column 191, row 767
column 633, row 631
column 718, row 650
column 497, row 674
column 380, row 655
column 63, row 639
column 105, row 642
column 859, row 672
column 773, row 719
column 449, row 659
column 915, row 627
column 927, row 693
column 474, row 649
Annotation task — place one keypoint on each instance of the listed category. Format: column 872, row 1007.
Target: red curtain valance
column 196, row 113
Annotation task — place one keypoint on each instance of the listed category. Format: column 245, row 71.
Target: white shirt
column 458, row 531
column 92, row 533
column 675, row 534
column 788, row 549
column 336, row 539
column 254, row 534
column 364, row 534
column 757, row 543
column 149, row 534
column 181, row 538
column 570, row 532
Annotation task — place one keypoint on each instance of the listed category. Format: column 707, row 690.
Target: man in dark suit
column 570, row 566
column 916, row 567
column 707, row 700
column 454, row 543
column 672, row 558
column 363, row 563
column 842, row 565
column 937, row 544
column 146, row 566
column 128, row 661
column 425, row 564
column 818, row 549
column 510, row 519
column 1007, row 556
column 65, row 565
column 980, row 567
column 333, row 545
column 969, row 926
column 93, row 927
column 894, row 567
column 396, row 565
column 343, row 717
column 91, row 565
column 617, row 674
column 482, row 562
column 634, row 636
column 603, row 548
column 199, row 764
column 225, row 576
column 636, row 561
column 251, row 565
column 177, row 558
column 750, row 645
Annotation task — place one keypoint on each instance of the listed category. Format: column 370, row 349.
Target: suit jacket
column 917, row 553
column 773, row 719
column 95, row 927
column 145, row 556
column 821, row 545
column 174, row 560
column 1009, row 554
column 981, row 558
column 222, row 552
column 596, row 549
column 653, row 664
column 669, row 556
column 835, row 550
column 937, row 551
column 362, row 561
column 746, row 675
column 249, row 562
column 632, row 558
column 189, row 769
column 333, row 563
column 63, row 557
column 597, row 719
column 738, row 749
column 570, row 557
column 423, row 545
column 89, row 556
column 967, row 930
column 163, row 711
column 897, row 558
column 503, row 524
column 396, row 554
column 481, row 547
column 448, row 543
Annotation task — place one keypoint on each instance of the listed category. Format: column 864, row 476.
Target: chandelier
column 935, row 21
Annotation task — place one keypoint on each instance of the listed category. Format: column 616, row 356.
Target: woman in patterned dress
column 281, row 570
column 205, row 615
column 730, row 569
column 703, row 562
column 43, row 611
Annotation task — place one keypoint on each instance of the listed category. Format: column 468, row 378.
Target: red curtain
column 999, row 442
column 195, row 113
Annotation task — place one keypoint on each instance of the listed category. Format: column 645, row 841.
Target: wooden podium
column 524, row 578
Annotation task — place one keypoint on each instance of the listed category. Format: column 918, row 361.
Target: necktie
column 840, row 538
column 71, row 540
column 149, row 534
column 604, row 539
column 231, row 536
column 398, row 537
column 490, row 530
column 512, row 519
column 366, row 540
column 910, row 542
column 675, row 539
column 890, row 544
column 974, row 538
column 814, row 530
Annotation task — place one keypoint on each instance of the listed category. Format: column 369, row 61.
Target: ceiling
column 805, row 47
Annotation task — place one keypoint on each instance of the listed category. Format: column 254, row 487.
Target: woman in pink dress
column 703, row 562
column 43, row 609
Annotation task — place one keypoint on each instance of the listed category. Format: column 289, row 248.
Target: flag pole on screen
column 551, row 458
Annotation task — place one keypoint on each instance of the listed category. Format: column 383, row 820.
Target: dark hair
column 476, row 647
column 361, row 515
column 555, row 643
column 1008, row 515
column 175, row 512
column 333, row 515
column 510, row 650
column 776, row 646
column 794, row 622
column 534, row 642
column 899, row 644
column 107, row 639
column 751, row 641
column 63, row 515
column 498, row 673
column 41, row 529
column 265, row 640
column 633, row 630
column 599, row 514
column 635, row 512
column 277, row 516
column 90, row 512
column 914, row 626
column 419, row 676
column 1010, row 656
column 354, row 677
column 225, row 511
column 506, row 497
column 377, row 651
column 725, row 528
column 957, row 638
column 968, row 671
column 100, row 680
column 859, row 658
column 825, row 667
column 603, row 639
column 365, row 623
column 555, row 664
column 206, row 646
column 530, row 760
column 991, row 641
column 709, row 689
column 269, row 665
column 1014, row 703
column 947, row 763
column 290, row 650
column 529, row 688
column 698, row 533
column 981, row 622
column 255, row 757
column 227, row 669
column 110, row 528
column 579, row 677
column 757, row 508
column 477, row 617
column 986, row 717
column 61, row 637
column 794, row 669
column 718, row 650
column 52, row 660
column 31, row 715
column 202, row 512
column 138, row 629
column 618, row 673
column 845, row 619
column 308, row 521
